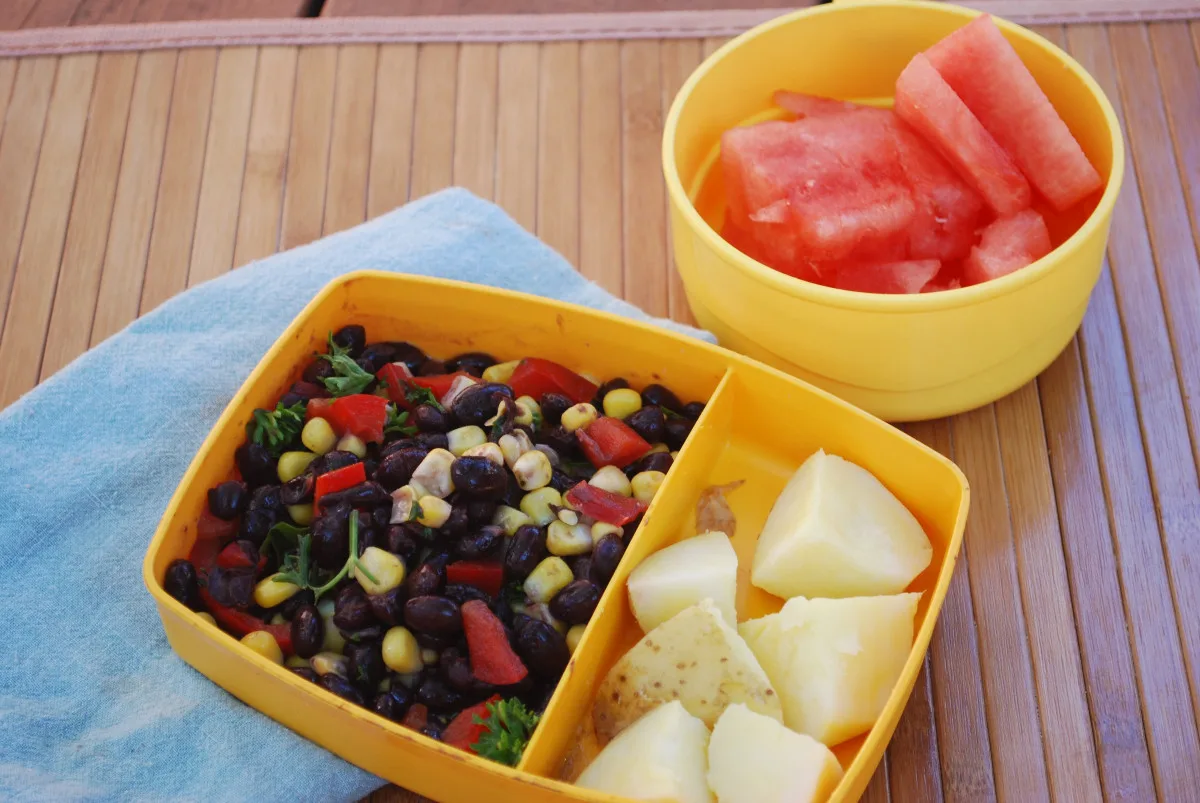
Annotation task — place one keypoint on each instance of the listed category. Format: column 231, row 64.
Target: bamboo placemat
column 1065, row 664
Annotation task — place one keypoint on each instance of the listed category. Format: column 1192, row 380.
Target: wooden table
column 1066, row 664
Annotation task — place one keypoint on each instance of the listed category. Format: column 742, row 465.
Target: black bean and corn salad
column 428, row 538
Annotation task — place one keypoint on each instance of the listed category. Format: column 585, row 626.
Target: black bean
column 462, row 593
column 351, row 610
column 542, row 648
column 438, row 643
column 302, row 392
column 228, row 499
column 393, row 703
column 581, row 566
column 181, row 583
column 428, row 418
column 478, row 403
column 437, row 696
column 307, row 674
column 428, row 579
column 256, row 523
column 649, row 422
column 363, row 635
column 365, row 494
column 298, row 490
column 332, row 461
column 576, row 603
column 317, row 370
column 660, row 397
column 677, row 431
column 655, row 461
column 526, row 549
column 292, row 605
column 472, row 362
column 233, row 588
column 606, row 554
column 692, row 410
column 308, row 631
column 480, row 511
column 352, row 338
column 435, row 616
column 558, row 439
column 331, row 537
column 341, row 687
column 396, row 469
column 266, row 498
column 612, row 384
column 433, row 440
column 401, row 543
column 375, row 356
column 562, row 481
column 512, row 492
column 256, row 464
column 456, row 523
column 479, row 477
column 553, row 406
column 388, row 607
column 365, row 665
column 456, row 671
column 396, row 445
column 480, row 544
column 431, row 367
column 410, row 355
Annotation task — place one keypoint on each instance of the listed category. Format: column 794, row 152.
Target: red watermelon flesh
column 1007, row 245
column 926, row 102
column 886, row 277
column 985, row 71
column 803, row 105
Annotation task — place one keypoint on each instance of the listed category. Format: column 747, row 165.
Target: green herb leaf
column 498, row 428
column 419, row 395
column 537, row 420
column 397, row 423
column 281, row 539
column 509, row 725
column 295, row 566
column 669, row 413
column 349, row 378
column 581, row 469
column 352, row 560
column 277, row 428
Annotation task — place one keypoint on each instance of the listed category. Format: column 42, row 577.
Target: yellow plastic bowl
column 903, row 358
column 759, row 425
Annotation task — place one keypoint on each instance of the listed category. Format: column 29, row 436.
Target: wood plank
column 212, row 246
column 474, row 165
column 91, row 212
column 1175, row 55
column 392, row 131
column 104, row 12
column 350, row 142
column 558, row 151
column 600, row 206
column 133, row 206
column 51, row 13
column 962, row 726
column 877, row 790
column 680, row 57
column 179, row 187
column 517, row 131
column 308, row 149
column 24, row 123
column 375, row 8
column 644, row 200
column 14, row 12
column 433, row 146
column 1104, row 638
column 36, row 274
column 1046, row 598
column 172, row 10
column 266, row 155
column 912, row 756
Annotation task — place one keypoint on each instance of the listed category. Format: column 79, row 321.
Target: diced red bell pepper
column 396, row 376
column 240, row 623
column 535, row 376
column 362, row 414
column 492, row 657
column 438, row 384
column 318, row 408
column 611, row 442
column 463, row 731
column 338, row 480
column 204, row 554
column 603, row 505
column 209, row 527
column 417, row 717
column 486, row 575
column 236, row 556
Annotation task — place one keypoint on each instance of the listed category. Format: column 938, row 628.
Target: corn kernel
column 570, row 517
column 278, row 619
column 404, row 504
column 547, row 579
column 334, row 641
column 541, row 612
column 500, row 372
column 578, row 417
column 489, row 451
column 208, row 617
column 603, row 528
column 434, row 473
column 317, row 436
column 536, row 505
column 456, row 389
column 401, row 652
column 434, row 511
column 645, row 484
column 464, row 438
column 510, row 519
column 658, row 447
column 386, row 568
column 564, row 540
column 675, row 455
column 352, row 444
column 513, row 445
column 532, row 470
column 612, row 479
column 525, row 413
column 573, row 637
column 329, row 663
column 264, row 644
column 622, row 402
column 293, row 464
column 270, row 592
column 301, row 514
column 296, row 662
column 418, row 489
column 429, row 656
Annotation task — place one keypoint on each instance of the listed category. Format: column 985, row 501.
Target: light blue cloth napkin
column 94, row 705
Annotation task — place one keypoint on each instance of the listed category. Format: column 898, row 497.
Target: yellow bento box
column 759, row 425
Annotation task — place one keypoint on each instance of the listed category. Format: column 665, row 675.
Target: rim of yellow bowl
column 879, row 302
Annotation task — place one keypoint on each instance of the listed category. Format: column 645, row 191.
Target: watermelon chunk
column 985, row 71
column 1007, row 245
column 803, row 105
column 886, row 277
column 926, row 102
